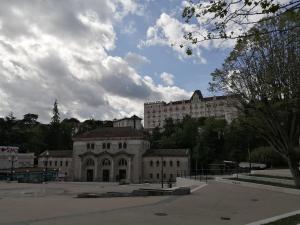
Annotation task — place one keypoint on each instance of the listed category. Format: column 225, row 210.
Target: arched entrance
column 89, row 166
column 122, row 165
column 106, row 169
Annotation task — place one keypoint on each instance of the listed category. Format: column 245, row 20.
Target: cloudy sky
column 100, row 59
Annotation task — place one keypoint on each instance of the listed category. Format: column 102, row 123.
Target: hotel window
column 104, row 145
column 120, row 145
column 92, row 146
column 151, row 163
column 171, row 176
column 157, row 175
column 157, row 163
column 55, row 163
column 88, row 145
column 122, row 162
column 165, row 176
column 61, row 163
column 151, row 175
column 108, row 145
column 67, row 163
column 50, row 163
column 124, row 145
column 164, row 163
column 178, row 163
column 171, row 163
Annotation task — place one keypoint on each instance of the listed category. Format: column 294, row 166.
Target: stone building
column 134, row 122
column 197, row 106
column 123, row 153
column 61, row 160
column 109, row 154
column 168, row 163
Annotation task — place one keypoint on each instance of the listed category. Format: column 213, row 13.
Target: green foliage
column 264, row 73
column 210, row 140
column 32, row 136
column 268, row 156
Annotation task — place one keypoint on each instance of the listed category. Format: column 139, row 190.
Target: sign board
column 9, row 149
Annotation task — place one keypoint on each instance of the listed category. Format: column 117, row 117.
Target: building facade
column 165, row 164
column 60, row 160
column 10, row 157
column 123, row 153
column 109, row 154
column 197, row 106
column 134, row 122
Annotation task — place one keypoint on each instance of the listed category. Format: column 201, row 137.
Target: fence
column 29, row 176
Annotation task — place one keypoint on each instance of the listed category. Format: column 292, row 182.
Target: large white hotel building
column 197, row 106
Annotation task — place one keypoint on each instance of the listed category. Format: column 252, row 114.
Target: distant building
column 197, row 106
column 123, row 153
column 61, row 160
column 10, row 157
column 134, row 122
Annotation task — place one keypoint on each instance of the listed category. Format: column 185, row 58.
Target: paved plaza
column 215, row 203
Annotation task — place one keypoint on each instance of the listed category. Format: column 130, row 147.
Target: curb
column 260, row 186
column 272, row 219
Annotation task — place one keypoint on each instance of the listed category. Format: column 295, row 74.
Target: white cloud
column 167, row 78
column 61, row 51
column 169, row 31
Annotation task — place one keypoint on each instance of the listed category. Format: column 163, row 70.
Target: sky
column 100, row 59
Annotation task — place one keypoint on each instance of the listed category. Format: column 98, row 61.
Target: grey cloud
column 136, row 60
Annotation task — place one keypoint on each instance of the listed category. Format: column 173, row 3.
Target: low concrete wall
column 185, row 182
column 279, row 172
column 268, row 179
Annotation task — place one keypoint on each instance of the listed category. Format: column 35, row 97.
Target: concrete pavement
column 216, row 203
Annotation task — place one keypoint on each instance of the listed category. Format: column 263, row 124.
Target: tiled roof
column 179, row 152
column 112, row 132
column 127, row 118
column 58, row 153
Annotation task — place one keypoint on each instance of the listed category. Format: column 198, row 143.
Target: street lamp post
column 46, row 165
column 12, row 159
column 162, row 172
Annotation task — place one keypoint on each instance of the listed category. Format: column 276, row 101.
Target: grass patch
column 291, row 220
column 270, row 176
column 265, row 182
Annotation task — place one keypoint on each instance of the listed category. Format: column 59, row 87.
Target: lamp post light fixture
column 12, row 159
column 46, row 166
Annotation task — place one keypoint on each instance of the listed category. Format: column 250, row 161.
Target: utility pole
column 13, row 158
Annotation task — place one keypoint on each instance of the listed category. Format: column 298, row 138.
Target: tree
column 54, row 137
column 30, row 119
column 264, row 74
column 231, row 19
column 55, row 120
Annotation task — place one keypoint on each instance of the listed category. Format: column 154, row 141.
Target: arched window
column 90, row 162
column 105, row 162
column 122, row 162
column 157, row 163
column 120, row 145
column 124, row 145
